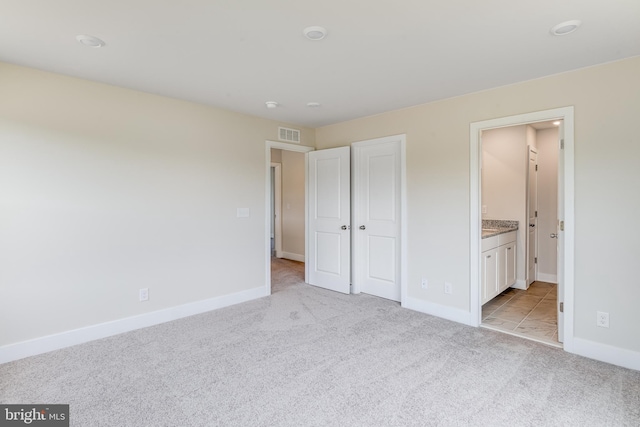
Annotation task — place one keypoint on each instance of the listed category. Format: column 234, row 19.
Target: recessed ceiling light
column 564, row 28
column 313, row 104
column 271, row 104
column 90, row 40
column 315, row 33
column 557, row 123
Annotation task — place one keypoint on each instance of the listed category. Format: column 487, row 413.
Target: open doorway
column 285, row 214
column 563, row 223
column 519, row 219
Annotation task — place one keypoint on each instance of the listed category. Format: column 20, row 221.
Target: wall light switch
column 243, row 213
column 425, row 283
column 484, row 209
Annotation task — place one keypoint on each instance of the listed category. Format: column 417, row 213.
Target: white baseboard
column 48, row 343
column 606, row 353
column 549, row 278
column 438, row 310
column 292, row 256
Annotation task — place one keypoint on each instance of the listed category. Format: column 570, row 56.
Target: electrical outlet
column 144, row 294
column 425, row 283
column 602, row 319
column 448, row 288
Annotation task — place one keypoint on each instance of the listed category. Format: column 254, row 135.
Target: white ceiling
column 379, row 55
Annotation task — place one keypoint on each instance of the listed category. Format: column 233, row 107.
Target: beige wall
column 293, row 215
column 607, row 101
column 104, row 191
column 504, row 183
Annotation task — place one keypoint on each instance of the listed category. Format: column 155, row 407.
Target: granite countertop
column 493, row 227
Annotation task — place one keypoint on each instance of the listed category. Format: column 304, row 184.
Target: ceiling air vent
column 289, row 135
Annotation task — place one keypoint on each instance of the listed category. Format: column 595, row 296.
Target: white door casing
column 566, row 183
column 532, row 216
column 377, row 179
column 560, row 233
column 328, row 219
column 277, row 208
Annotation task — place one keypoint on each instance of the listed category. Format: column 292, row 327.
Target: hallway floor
column 530, row 314
column 285, row 273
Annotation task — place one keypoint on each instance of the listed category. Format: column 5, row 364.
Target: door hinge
column 562, row 144
column 562, row 307
column 536, row 214
column 561, row 225
column 535, row 260
column 536, row 168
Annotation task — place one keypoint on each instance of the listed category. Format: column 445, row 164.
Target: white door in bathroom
column 532, row 216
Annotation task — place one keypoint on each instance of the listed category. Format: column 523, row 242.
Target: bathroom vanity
column 498, row 261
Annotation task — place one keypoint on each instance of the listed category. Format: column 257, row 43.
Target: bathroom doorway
column 514, row 310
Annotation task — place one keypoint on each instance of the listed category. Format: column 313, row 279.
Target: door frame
column 568, row 256
column 402, row 139
column 277, row 208
column 267, row 229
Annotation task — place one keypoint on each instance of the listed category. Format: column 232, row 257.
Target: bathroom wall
column 504, row 182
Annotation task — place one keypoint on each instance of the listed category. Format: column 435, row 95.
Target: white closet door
column 377, row 198
column 328, row 216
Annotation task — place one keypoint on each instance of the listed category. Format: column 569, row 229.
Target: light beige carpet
column 309, row 357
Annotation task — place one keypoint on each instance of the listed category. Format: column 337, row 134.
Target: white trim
column 566, row 114
column 48, row 343
column 267, row 194
column 446, row 312
column 548, row 278
column 606, row 353
column 402, row 139
column 277, row 207
column 292, row 256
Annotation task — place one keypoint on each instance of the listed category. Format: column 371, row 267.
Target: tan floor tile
column 505, row 325
column 525, row 301
column 490, row 306
column 537, row 329
column 540, row 288
column 544, row 312
column 529, row 313
column 512, row 313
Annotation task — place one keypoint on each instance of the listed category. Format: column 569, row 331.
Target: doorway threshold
column 527, row 337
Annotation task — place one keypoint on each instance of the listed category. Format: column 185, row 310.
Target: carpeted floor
column 309, row 357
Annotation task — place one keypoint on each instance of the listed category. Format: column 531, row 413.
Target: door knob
column 345, row 227
column 553, row 235
column 532, row 225
column 362, row 227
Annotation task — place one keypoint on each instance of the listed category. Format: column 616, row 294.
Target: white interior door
column 328, row 218
column 560, row 233
column 377, row 198
column 532, row 216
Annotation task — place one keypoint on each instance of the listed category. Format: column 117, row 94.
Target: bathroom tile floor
column 530, row 314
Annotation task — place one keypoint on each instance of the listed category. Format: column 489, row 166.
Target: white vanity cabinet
column 498, row 264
